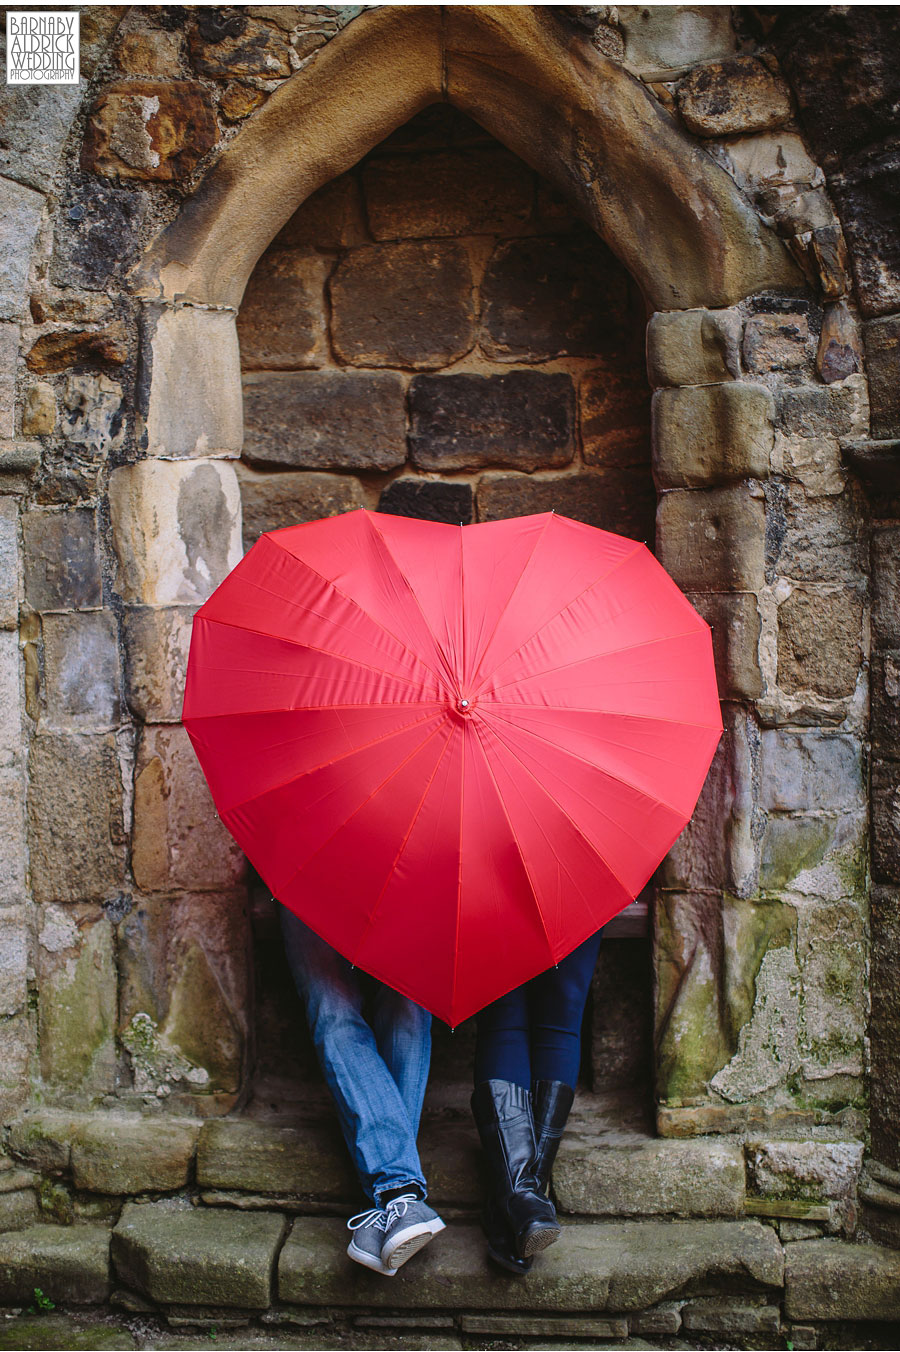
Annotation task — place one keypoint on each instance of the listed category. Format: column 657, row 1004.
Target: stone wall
column 173, row 178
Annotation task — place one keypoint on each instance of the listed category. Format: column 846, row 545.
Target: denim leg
column 502, row 1040
column 403, row 1036
column 374, row 1120
column 556, row 1001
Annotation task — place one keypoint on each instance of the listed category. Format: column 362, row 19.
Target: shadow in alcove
column 388, row 316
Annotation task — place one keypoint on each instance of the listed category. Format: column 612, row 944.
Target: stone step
column 71, row 1262
column 609, row 1165
column 195, row 1256
column 615, row 1266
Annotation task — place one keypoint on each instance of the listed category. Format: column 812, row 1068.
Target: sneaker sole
column 367, row 1260
column 539, row 1238
column 409, row 1243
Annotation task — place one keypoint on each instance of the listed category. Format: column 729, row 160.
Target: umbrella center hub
column 464, row 705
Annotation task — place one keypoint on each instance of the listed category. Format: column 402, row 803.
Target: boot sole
column 509, row 1265
column 540, row 1237
column 410, row 1243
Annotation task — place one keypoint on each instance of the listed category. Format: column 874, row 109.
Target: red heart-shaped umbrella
column 454, row 752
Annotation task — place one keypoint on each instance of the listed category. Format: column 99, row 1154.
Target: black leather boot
column 551, row 1103
column 503, row 1116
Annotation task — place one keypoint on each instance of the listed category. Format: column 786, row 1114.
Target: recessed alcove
column 436, row 333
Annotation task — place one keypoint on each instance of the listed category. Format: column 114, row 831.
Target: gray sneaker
column 368, row 1238
column 409, row 1227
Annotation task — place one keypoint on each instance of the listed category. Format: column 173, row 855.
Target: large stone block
column 619, row 500
column 678, row 1178
column 716, row 849
column 152, row 52
column 867, row 201
column 882, row 339
column 727, row 997
column 885, row 809
column 821, row 411
column 57, row 351
column 814, row 1169
column 76, row 976
column 543, row 298
column 820, row 641
column 722, row 98
column 13, row 960
column 272, row 501
column 447, row 192
column 713, row 539
column 884, row 1024
column 14, row 855
column 10, row 572
column 20, row 215
column 92, row 413
column 886, row 585
column 190, row 382
column 429, row 500
column 712, row 434
column 176, row 529
column 62, row 568
column 184, row 993
column 81, row 671
column 9, row 351
column 130, row 1154
column 735, row 624
column 178, row 841
column 694, row 347
column 259, row 1158
column 157, row 641
column 97, row 234
column 833, row 956
column 406, row 304
column 884, row 689
column 662, row 41
column 325, row 419
column 331, row 218
column 188, row 1256
column 819, row 856
column 75, row 816
column 282, row 325
column 34, row 131
column 776, row 342
column 69, row 1263
column 832, row 1279
column 523, row 420
column 614, row 415
column 815, row 539
column 811, row 771
column 158, row 130
column 239, row 45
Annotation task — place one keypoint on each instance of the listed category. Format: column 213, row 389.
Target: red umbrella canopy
column 454, row 752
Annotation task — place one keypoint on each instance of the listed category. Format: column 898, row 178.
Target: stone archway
column 703, row 259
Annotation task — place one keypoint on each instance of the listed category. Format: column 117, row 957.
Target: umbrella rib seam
column 294, row 779
column 412, row 591
column 308, row 647
column 617, row 779
column 569, row 819
column 359, row 807
column 512, row 831
column 567, row 606
column 403, row 844
column 508, row 601
column 384, row 629
column 593, row 657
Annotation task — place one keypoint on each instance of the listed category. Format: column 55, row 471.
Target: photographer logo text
column 42, row 46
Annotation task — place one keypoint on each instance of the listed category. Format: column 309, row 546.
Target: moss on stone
column 55, row 1201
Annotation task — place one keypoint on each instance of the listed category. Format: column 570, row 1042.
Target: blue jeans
column 375, row 1063
column 534, row 1032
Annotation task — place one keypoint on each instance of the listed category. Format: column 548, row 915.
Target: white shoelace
column 381, row 1219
